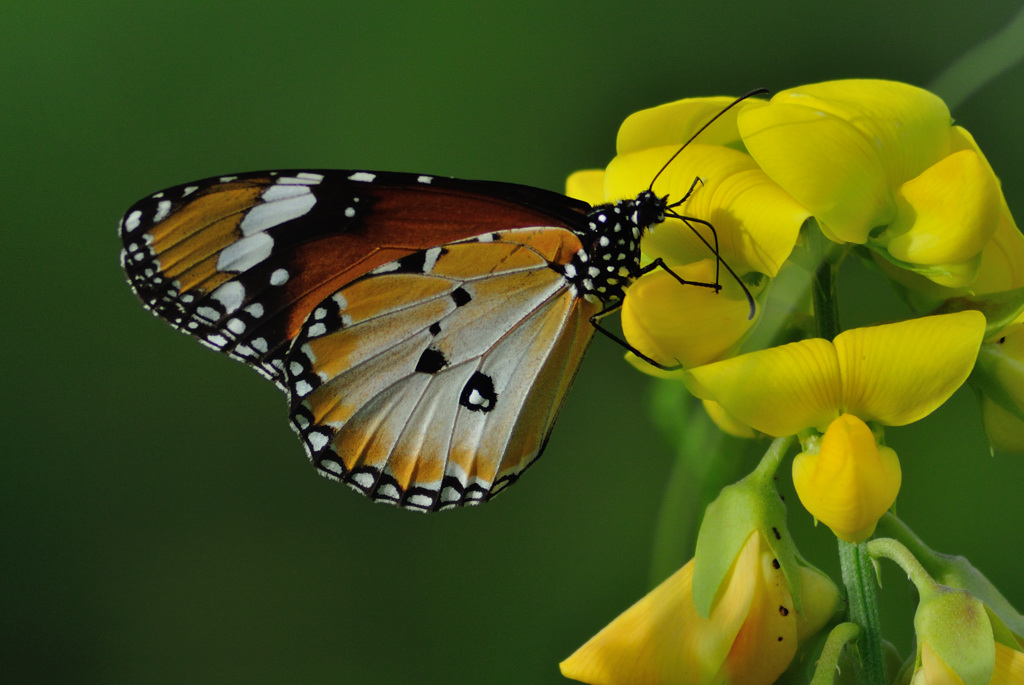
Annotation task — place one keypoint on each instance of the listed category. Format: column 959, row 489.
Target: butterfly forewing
column 240, row 261
column 443, row 391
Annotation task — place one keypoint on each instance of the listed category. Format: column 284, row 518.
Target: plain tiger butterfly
column 425, row 329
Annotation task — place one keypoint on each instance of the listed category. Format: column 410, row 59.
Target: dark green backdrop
column 159, row 521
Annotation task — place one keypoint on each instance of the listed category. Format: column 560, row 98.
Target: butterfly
column 425, row 329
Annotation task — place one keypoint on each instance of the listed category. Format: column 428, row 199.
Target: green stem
column 976, row 68
column 859, row 578
column 896, row 551
column 826, row 311
column 828, row 662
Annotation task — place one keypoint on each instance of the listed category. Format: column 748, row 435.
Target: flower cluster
column 782, row 191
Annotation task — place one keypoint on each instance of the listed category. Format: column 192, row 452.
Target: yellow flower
column 750, row 636
column 880, row 163
column 847, row 481
column 892, row 374
column 755, row 228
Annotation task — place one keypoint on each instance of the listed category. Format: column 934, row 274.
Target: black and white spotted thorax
column 610, row 258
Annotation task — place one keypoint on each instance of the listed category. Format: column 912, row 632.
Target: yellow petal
column 933, row 670
column 586, row 185
column 673, row 123
column 1002, row 264
column 821, row 600
column 767, row 641
column 1004, row 430
column 756, row 222
column 910, row 126
column 1009, row 666
column 850, row 482
column 662, row 638
column 899, row 373
column 689, row 325
column 778, row 391
column 1002, row 260
column 841, row 148
column 825, row 164
column 727, row 422
column 954, row 275
column 946, row 214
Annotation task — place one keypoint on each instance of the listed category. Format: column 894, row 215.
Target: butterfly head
column 649, row 210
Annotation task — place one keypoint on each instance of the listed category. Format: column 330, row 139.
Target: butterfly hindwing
column 435, row 380
column 240, row 262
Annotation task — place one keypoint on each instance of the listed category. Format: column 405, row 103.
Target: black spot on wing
column 478, row 394
column 460, row 296
column 431, row 361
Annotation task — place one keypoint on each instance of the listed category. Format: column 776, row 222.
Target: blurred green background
column 159, row 521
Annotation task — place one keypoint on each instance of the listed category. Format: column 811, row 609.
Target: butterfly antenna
column 756, row 91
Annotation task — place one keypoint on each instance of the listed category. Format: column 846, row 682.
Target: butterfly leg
column 595, row 321
column 719, row 262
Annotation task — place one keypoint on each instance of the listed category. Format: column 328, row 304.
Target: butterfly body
column 426, row 330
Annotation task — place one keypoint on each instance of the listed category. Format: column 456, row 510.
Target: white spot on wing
column 163, row 208
column 424, row 179
column 279, row 277
column 430, row 259
column 421, row 501
column 304, row 177
column 364, row 480
column 386, row 268
column 281, row 203
column 388, row 491
column 208, row 313
column 131, row 222
column 231, row 295
column 246, row 253
column 332, row 466
column 363, row 177
column 317, row 440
